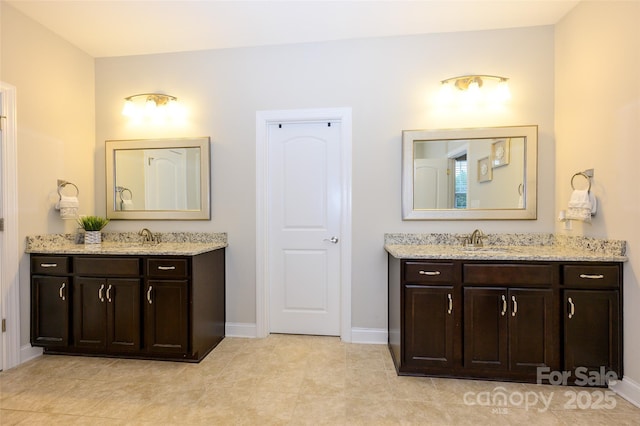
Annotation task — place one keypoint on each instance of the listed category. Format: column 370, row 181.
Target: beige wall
column 389, row 82
column 56, row 128
column 598, row 126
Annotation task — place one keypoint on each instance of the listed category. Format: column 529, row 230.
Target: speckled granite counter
column 546, row 247
column 129, row 243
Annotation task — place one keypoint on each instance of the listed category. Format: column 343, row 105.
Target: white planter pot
column 92, row 237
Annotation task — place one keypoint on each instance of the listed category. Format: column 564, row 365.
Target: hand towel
column 68, row 207
column 126, row 205
column 582, row 205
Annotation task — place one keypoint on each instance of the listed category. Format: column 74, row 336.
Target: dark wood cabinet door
column 591, row 330
column 123, row 314
column 50, row 311
column 167, row 316
column 90, row 312
column 485, row 328
column 531, row 330
column 429, row 326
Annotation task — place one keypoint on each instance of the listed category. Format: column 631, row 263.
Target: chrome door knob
column 334, row 240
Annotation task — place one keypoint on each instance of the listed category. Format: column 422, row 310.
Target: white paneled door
column 304, row 227
column 10, row 348
column 2, row 242
column 166, row 179
column 430, row 183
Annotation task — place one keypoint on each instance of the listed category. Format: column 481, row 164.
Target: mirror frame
column 529, row 212
column 111, row 146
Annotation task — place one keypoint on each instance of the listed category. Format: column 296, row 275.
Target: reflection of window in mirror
column 460, row 177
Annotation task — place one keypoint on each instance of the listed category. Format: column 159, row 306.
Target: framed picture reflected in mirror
column 485, row 171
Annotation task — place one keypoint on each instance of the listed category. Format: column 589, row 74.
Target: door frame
column 263, row 120
column 10, row 261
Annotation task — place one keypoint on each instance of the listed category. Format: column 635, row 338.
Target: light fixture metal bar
column 158, row 98
column 473, row 76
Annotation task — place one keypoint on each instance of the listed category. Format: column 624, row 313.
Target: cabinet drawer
column 591, row 276
column 107, row 266
column 428, row 272
column 167, row 268
column 50, row 265
column 507, row 274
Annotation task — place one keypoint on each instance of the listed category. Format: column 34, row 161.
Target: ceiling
column 126, row 27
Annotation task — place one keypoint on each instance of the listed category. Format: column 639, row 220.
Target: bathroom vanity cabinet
column 106, row 304
column 504, row 319
column 50, row 282
column 155, row 306
column 592, row 333
column 430, row 314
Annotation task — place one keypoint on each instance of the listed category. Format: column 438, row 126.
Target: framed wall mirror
column 165, row 179
column 473, row 174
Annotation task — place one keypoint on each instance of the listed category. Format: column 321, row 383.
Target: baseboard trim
column 376, row 336
column 240, row 329
column 28, row 352
column 628, row 389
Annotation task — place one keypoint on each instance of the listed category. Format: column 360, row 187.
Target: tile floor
column 288, row 380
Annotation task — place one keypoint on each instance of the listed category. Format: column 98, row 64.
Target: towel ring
column 122, row 190
column 584, row 175
column 62, row 185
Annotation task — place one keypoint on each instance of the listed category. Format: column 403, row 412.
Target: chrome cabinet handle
column 100, row 293
column 450, row 303
column 572, row 308
column 592, row 277
column 48, row 265
column 430, row 273
column 515, row 306
column 333, row 240
column 166, row 268
column 149, row 295
column 504, row 305
column 109, row 293
column 61, row 291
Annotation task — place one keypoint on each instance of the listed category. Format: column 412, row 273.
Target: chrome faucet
column 475, row 240
column 147, row 236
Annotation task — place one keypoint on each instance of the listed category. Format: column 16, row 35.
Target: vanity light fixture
column 151, row 105
column 469, row 88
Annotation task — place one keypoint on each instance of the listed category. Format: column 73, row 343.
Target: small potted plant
column 92, row 226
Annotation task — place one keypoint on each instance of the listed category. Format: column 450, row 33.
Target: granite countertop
column 533, row 247
column 129, row 243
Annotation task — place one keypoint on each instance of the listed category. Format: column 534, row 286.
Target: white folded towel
column 582, row 205
column 68, row 207
column 66, row 201
column 126, row 205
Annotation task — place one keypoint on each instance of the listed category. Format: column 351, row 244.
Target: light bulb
column 129, row 108
column 172, row 107
column 446, row 93
column 472, row 94
column 502, row 92
column 150, row 107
